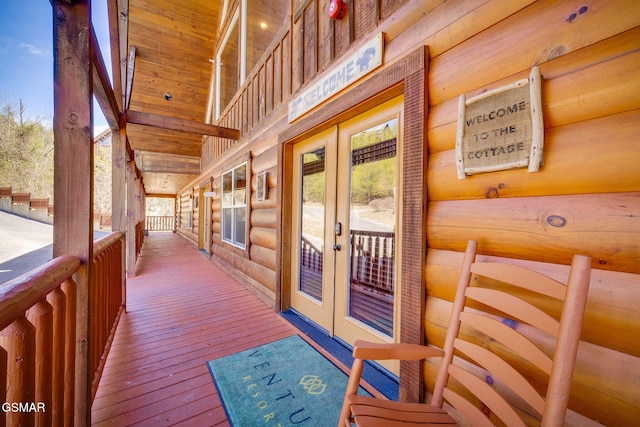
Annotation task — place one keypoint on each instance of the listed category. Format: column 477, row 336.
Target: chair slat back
column 494, row 353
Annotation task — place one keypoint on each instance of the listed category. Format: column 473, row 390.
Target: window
column 234, row 206
column 228, row 69
column 252, row 28
column 262, row 20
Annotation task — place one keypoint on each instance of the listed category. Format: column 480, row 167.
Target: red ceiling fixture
column 337, row 9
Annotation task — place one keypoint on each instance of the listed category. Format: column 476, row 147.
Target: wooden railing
column 372, row 259
column 38, row 323
column 160, row 223
column 39, row 359
column 372, row 278
column 139, row 237
column 312, row 257
column 107, row 300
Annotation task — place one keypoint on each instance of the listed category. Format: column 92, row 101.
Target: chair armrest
column 373, row 351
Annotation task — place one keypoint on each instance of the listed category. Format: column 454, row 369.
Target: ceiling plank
column 166, row 122
column 165, row 141
column 154, row 162
column 102, row 87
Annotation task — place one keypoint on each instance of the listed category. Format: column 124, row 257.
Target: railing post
column 41, row 317
column 19, row 339
column 70, row 290
column 57, row 299
column 3, row 383
column 122, row 248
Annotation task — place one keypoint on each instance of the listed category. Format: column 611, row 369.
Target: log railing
column 312, row 257
column 372, row 259
column 139, row 237
column 107, row 299
column 372, row 278
column 39, row 359
column 37, row 343
column 160, row 223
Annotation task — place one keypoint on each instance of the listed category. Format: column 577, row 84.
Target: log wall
column 187, row 215
column 584, row 199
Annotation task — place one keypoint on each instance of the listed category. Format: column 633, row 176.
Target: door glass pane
column 312, row 223
column 372, row 226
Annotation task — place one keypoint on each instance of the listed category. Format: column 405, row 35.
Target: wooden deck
column 182, row 311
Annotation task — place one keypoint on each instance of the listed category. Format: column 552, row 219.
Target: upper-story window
column 228, row 66
column 252, row 27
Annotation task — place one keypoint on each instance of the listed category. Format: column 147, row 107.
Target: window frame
column 233, row 240
column 237, row 16
column 232, row 22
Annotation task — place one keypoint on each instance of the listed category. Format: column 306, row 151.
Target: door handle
column 337, row 247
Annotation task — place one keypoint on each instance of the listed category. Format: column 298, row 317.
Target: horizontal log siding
column 186, row 207
column 255, row 267
column 584, row 199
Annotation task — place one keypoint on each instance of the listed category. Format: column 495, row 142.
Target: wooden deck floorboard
column 182, row 311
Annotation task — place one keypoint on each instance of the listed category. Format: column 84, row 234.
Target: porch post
column 118, row 193
column 118, row 173
column 73, row 169
column 131, row 218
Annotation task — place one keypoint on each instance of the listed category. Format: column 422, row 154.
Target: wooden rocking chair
column 495, row 321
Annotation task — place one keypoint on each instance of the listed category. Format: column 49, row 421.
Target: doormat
column 283, row 383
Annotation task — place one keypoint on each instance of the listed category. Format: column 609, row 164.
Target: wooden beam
column 161, row 196
column 166, row 122
column 133, row 191
column 102, row 87
column 183, row 170
column 118, row 181
column 73, row 172
column 123, row 31
column 114, row 43
column 130, row 70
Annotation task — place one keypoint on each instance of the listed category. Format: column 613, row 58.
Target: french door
column 345, row 240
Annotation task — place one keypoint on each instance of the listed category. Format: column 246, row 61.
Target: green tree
column 26, row 151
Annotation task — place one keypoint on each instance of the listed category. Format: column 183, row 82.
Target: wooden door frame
column 322, row 314
column 408, row 75
column 204, row 204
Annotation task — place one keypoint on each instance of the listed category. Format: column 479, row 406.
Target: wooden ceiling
column 174, row 42
column 162, row 75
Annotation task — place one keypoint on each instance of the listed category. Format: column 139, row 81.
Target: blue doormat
column 283, row 383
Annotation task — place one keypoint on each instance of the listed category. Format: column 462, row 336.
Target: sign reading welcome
column 357, row 65
column 501, row 129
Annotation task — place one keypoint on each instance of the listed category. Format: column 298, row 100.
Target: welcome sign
column 357, row 65
column 501, row 129
column 283, row 383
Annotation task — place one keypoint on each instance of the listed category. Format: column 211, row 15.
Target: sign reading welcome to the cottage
column 501, row 129
column 357, row 65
